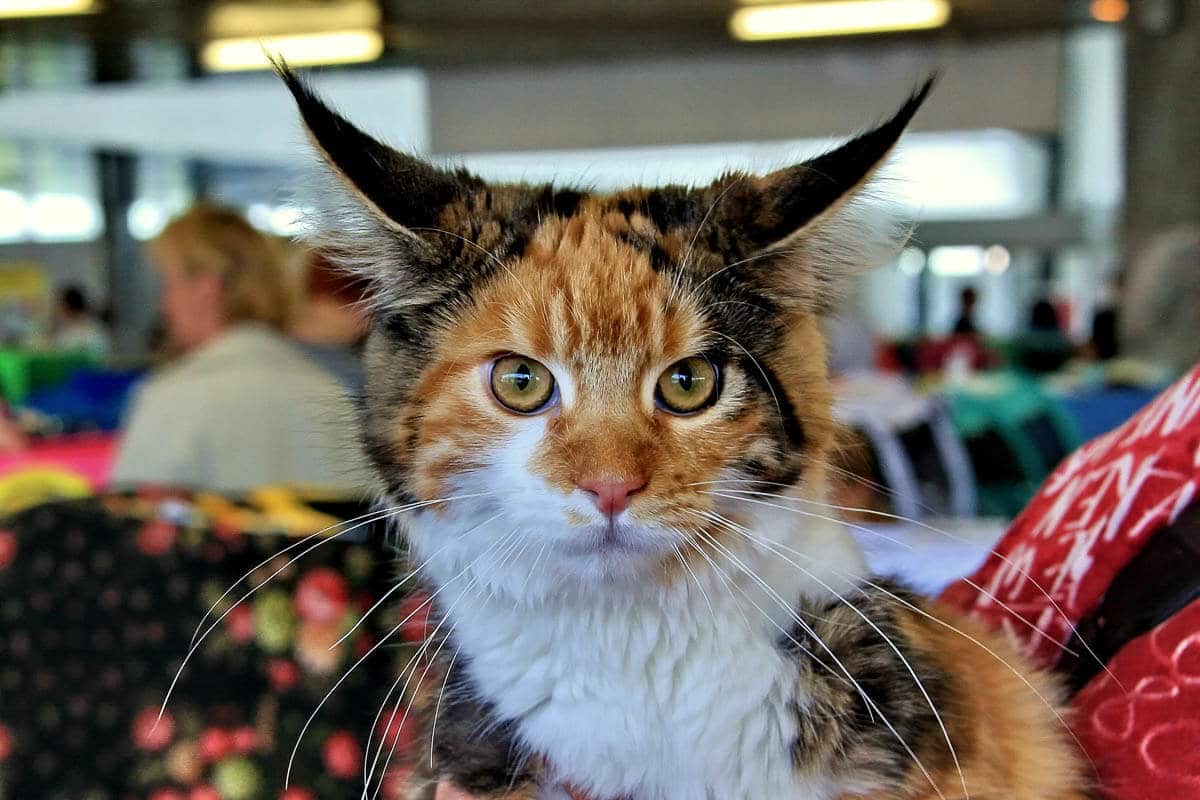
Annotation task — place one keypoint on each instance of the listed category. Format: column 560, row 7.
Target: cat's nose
column 611, row 495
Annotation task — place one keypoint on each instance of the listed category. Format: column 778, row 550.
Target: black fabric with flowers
column 99, row 601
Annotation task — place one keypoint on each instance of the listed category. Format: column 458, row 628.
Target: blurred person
column 332, row 324
column 77, row 326
column 968, row 299
column 1044, row 347
column 1160, row 310
column 242, row 407
column 1105, row 340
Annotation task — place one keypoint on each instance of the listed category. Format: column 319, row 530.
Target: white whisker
column 875, row 627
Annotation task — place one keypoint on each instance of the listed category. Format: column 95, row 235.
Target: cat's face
column 587, row 374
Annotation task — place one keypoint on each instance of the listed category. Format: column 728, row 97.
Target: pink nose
column 611, row 495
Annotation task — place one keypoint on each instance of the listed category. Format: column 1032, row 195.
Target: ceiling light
column 241, row 19
column 46, row 8
column 956, row 262
column 1109, row 10
column 836, row 18
column 298, row 50
column 996, row 259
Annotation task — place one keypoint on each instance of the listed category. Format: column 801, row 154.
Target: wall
column 830, row 90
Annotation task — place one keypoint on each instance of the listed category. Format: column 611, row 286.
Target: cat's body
column 665, row 695
column 616, row 413
column 695, row 695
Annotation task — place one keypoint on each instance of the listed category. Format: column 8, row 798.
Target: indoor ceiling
column 461, row 32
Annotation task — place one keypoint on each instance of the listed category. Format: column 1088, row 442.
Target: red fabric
column 1141, row 728
column 1141, row 725
column 88, row 455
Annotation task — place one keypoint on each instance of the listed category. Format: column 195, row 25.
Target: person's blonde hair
column 210, row 240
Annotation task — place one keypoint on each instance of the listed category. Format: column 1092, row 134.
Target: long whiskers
column 400, row 584
column 735, row 494
column 197, row 641
column 777, row 547
column 415, row 661
column 870, row 703
column 749, row 536
column 364, row 657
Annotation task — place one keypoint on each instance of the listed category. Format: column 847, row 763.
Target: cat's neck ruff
column 623, row 692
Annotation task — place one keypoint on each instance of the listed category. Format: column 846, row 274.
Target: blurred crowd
column 256, row 376
column 258, row 363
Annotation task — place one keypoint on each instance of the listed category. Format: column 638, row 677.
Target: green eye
column 522, row 384
column 687, row 386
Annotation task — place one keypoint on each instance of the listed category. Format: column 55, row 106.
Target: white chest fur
column 639, row 702
column 683, row 696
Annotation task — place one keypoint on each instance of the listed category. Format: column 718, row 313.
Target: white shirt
column 83, row 334
column 244, row 411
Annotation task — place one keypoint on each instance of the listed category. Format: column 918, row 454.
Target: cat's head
column 583, row 371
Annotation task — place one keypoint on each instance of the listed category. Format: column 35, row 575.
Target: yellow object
column 46, row 8
column 282, row 509
column 31, row 487
column 232, row 20
column 298, row 50
column 836, row 18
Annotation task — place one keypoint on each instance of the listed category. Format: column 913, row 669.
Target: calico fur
column 705, row 643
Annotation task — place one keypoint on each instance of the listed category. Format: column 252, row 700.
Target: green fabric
column 23, row 372
column 1004, row 404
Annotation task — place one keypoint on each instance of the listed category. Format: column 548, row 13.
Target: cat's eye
column 687, row 386
column 521, row 384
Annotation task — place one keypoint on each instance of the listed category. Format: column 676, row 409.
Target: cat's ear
column 404, row 192
column 807, row 235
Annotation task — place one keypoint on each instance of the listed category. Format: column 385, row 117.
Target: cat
column 617, row 407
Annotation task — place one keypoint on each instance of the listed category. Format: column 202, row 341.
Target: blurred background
column 1052, row 179
column 1050, row 288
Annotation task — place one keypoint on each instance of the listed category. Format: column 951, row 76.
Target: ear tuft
column 796, row 196
column 814, row 231
column 404, row 191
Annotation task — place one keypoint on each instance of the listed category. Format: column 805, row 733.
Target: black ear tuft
column 795, row 196
column 406, row 191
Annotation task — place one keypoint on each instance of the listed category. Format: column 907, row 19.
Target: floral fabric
column 99, row 600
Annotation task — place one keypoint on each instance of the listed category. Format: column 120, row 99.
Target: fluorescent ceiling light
column 837, row 18
column 298, row 50
column 956, row 262
column 45, row 8
column 240, row 19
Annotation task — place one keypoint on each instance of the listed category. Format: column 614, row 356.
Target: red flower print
column 6, row 744
column 396, row 731
column 167, row 794
column 226, row 529
column 204, row 792
column 156, row 537
column 315, row 648
column 244, row 740
column 150, row 732
column 215, row 744
column 240, row 623
column 8, row 548
column 342, row 755
column 395, row 782
column 297, row 793
column 414, row 618
column 321, row 596
column 283, row 674
column 363, row 644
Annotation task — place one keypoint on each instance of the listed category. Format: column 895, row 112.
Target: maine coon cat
column 618, row 409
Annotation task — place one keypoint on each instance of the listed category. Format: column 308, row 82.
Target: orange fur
column 581, row 299
column 1010, row 744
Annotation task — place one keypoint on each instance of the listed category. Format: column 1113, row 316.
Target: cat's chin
column 607, row 554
